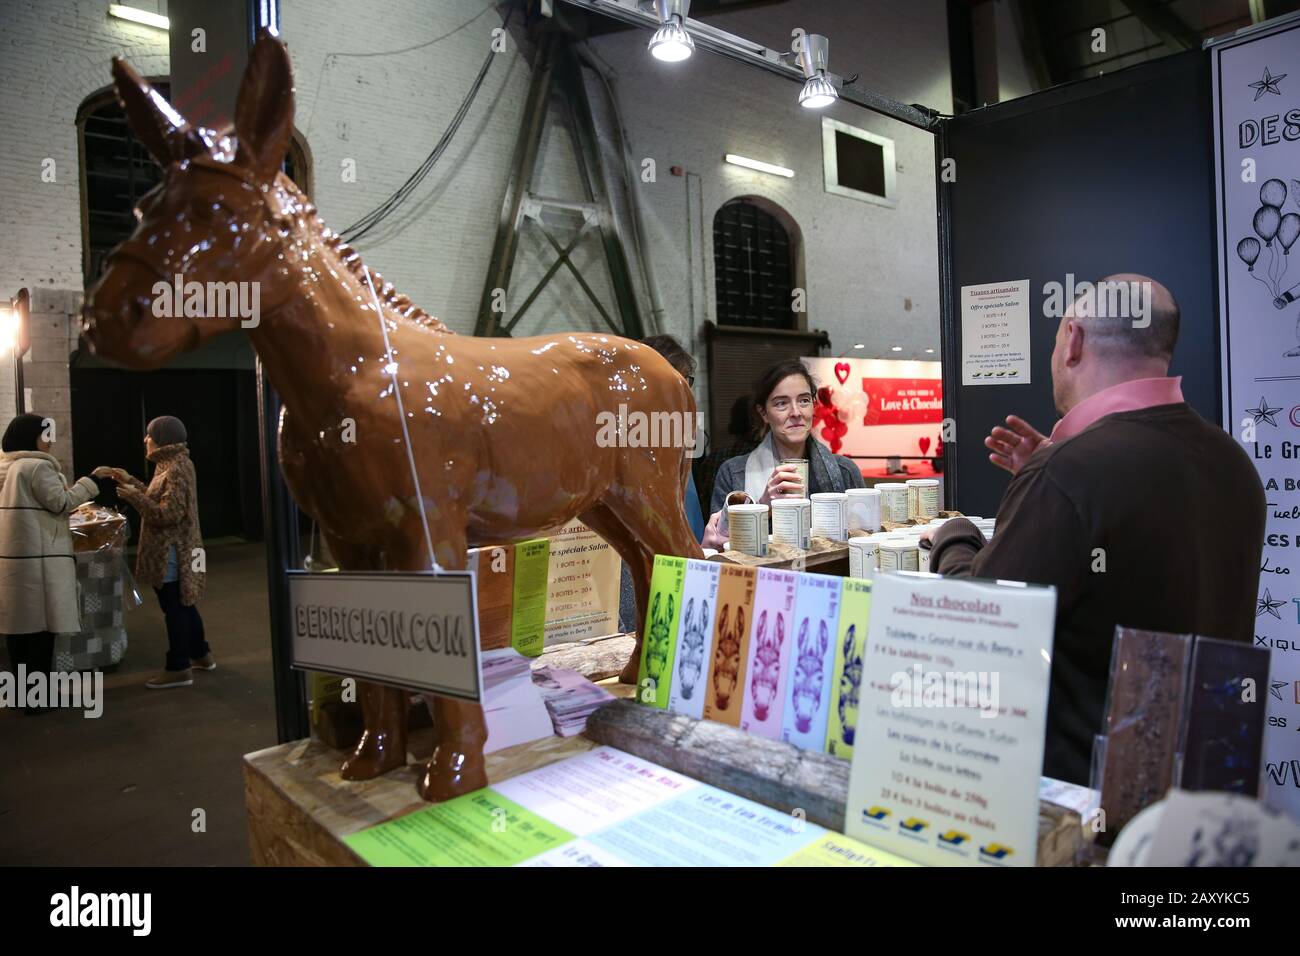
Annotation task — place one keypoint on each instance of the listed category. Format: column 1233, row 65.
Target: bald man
column 1140, row 512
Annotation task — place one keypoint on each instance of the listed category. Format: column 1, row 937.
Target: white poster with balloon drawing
column 878, row 408
column 1257, row 165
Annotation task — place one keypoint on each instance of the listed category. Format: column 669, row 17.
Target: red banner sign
column 903, row 401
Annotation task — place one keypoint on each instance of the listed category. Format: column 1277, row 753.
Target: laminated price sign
column 951, row 721
column 407, row 630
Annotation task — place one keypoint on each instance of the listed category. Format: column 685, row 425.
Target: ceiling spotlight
column 929, row 351
column 671, row 43
column 896, row 348
column 859, row 346
column 812, row 53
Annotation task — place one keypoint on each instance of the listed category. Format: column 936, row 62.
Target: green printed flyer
column 528, row 624
column 659, row 632
column 607, row 808
column 479, row 829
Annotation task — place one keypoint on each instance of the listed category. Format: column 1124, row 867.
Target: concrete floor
column 122, row 789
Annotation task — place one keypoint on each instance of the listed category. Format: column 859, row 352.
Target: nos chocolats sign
column 408, row 630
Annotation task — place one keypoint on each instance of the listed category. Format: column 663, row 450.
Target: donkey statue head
column 809, row 676
column 850, row 684
column 691, row 665
column 220, row 220
column 765, row 682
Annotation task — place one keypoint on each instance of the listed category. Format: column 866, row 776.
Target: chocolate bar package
column 1226, row 707
column 1145, row 702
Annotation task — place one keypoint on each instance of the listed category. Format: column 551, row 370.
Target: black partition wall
column 1108, row 175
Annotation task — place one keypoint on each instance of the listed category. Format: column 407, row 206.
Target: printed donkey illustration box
column 694, row 638
column 731, row 645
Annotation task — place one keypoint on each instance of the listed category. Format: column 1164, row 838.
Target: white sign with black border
column 409, row 630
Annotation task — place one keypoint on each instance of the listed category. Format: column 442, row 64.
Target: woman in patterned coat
column 170, row 555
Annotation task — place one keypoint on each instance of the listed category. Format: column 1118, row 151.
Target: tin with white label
column 792, row 521
column 830, row 515
column 923, row 497
column 864, row 557
column 899, row 554
column 747, row 527
column 893, row 502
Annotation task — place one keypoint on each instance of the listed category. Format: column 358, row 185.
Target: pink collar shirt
column 1124, row 397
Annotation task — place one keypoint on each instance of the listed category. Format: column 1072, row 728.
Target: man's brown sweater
column 1177, row 510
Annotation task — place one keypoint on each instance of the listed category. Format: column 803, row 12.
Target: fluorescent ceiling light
column 859, row 346
column 135, row 15
column 760, row 166
column 929, row 351
column 896, row 348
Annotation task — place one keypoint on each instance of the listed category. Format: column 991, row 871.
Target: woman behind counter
column 38, row 572
column 783, row 398
column 169, row 538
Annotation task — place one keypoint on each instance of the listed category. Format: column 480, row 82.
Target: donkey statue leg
column 460, row 731
column 383, row 709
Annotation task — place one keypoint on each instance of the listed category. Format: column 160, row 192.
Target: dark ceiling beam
column 1164, row 23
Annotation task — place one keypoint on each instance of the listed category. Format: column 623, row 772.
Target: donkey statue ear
column 264, row 109
column 162, row 130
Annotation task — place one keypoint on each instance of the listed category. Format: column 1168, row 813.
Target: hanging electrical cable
column 385, row 209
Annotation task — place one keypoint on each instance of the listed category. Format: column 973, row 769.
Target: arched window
column 116, row 171
column 754, row 264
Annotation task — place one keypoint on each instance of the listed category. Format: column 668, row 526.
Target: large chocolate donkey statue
column 507, row 435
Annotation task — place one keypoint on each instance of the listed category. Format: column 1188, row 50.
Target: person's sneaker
column 204, row 663
column 169, row 679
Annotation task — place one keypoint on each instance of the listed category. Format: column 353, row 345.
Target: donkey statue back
column 389, row 420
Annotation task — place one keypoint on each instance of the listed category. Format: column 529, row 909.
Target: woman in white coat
column 38, row 573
